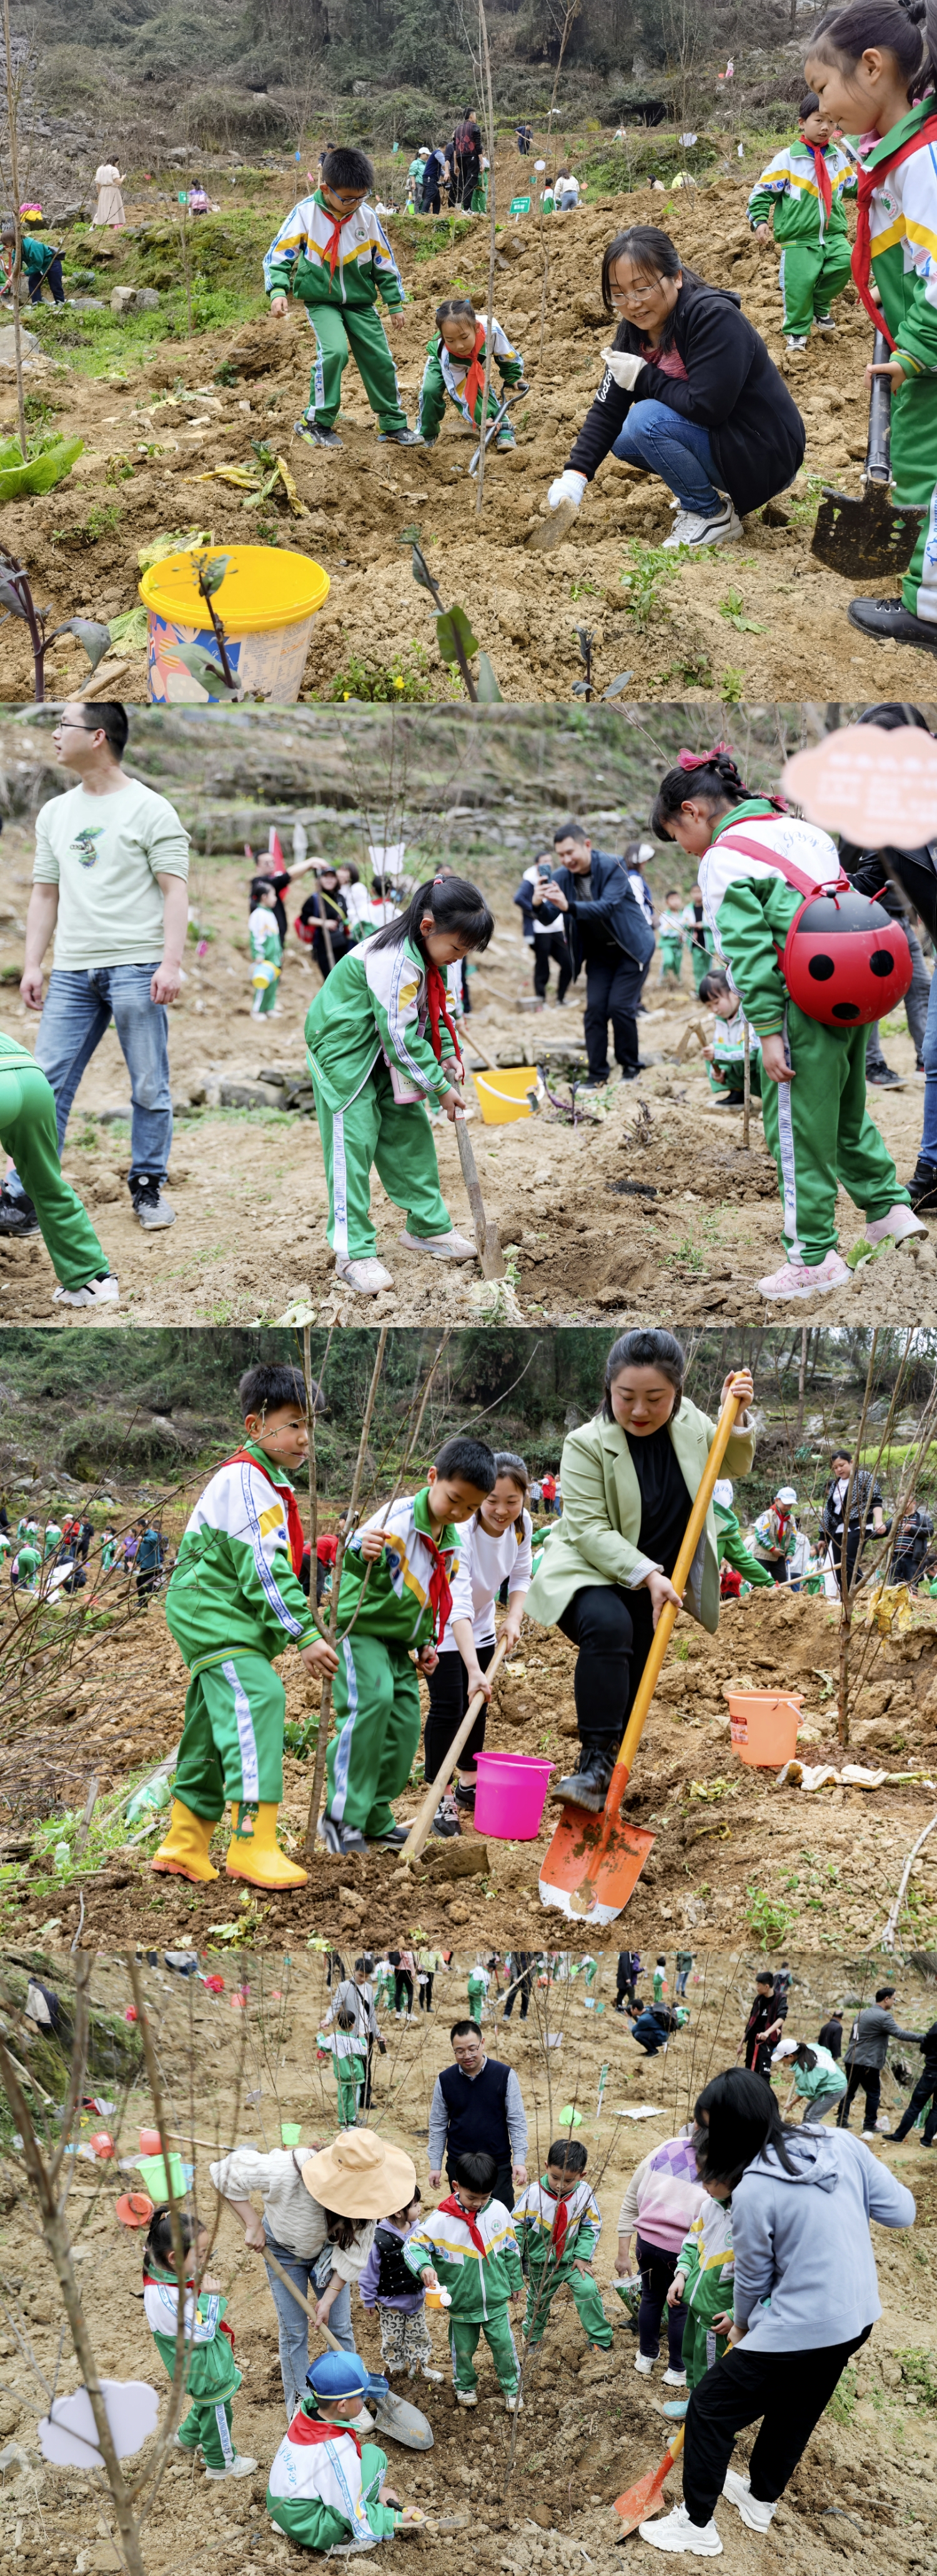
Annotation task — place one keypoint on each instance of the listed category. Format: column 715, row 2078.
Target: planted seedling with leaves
column 454, row 635
column 733, row 608
column 16, row 600
column 652, row 567
column 585, row 688
column 572, row 1071
column 216, row 676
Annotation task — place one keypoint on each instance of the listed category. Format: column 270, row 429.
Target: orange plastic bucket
column 764, row 1726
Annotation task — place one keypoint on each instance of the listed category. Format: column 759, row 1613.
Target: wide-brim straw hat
column 360, row 2176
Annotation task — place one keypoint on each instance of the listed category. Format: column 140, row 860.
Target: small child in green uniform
column 703, row 2280
column 266, row 949
column 803, row 189
column 670, row 936
column 327, row 2489
column 726, row 1055
column 468, row 2247
column 212, row 2378
column 28, row 1134
column 333, row 254
column 344, row 2045
column 558, row 2222
column 455, row 370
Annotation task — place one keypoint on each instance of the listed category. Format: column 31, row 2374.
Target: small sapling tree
column 454, row 635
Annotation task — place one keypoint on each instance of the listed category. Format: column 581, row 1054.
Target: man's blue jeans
column 676, row 449
column 929, row 1058
column 78, row 1009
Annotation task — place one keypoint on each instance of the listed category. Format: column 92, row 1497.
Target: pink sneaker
column 900, row 1222
column 797, row 1279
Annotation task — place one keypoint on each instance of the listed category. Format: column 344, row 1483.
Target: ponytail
column 456, row 907
column 710, row 775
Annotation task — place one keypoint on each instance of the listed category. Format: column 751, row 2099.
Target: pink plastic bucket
column 511, row 1796
column 763, row 1726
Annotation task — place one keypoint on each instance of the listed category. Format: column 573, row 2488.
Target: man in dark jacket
column 912, row 1545
column 855, row 1505
column 831, row 2035
column 925, row 2091
column 607, row 931
column 478, row 2103
column 866, row 2054
column 765, row 2024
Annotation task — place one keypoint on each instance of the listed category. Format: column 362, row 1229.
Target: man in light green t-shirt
column 110, row 881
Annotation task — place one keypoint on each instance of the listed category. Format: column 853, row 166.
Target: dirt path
column 141, row 468
column 589, row 2426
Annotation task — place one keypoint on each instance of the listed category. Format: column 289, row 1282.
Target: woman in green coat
column 629, row 1478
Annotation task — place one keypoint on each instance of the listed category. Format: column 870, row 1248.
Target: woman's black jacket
column 732, row 390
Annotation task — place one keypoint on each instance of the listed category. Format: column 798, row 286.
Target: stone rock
column 134, row 299
column 32, row 354
column 251, row 1095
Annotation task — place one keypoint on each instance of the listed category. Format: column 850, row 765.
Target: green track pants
column 352, row 331
column 914, row 466
column 819, row 1130
column 701, row 960
column 463, row 2338
column 349, row 2074
column 376, row 1698
column 671, row 953
column 232, row 1737
column 28, row 1132
column 811, row 274
column 209, row 2425
column 702, row 2346
column 545, row 2279
column 397, row 1138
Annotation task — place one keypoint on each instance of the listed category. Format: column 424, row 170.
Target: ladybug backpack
column 845, row 961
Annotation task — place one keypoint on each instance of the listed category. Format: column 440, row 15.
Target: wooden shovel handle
column 662, row 1633
column 427, row 1809
column 274, row 2266
column 487, row 1240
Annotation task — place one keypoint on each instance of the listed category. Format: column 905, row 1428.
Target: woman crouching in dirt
column 629, row 1479
column 689, row 392
column 805, row 2298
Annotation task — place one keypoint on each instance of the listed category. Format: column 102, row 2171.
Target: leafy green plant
column 103, row 517
column 402, row 682
column 454, row 636
column 688, row 1254
column 584, row 688
column 733, row 608
column 768, row 1916
column 694, row 669
column 732, row 687
column 51, row 459
column 652, row 567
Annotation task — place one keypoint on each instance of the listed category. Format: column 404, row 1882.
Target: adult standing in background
column 866, row 2051
column 355, row 1994
column 854, row 1512
column 477, row 2103
column 831, row 2034
column 764, row 2026
column 905, row 881
column 110, row 206
column 607, row 932
column 110, row 885
column 523, row 1969
column 321, row 2207
column 465, row 156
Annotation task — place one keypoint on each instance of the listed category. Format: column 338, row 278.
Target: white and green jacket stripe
column 297, row 262
column 535, row 2217
column 751, row 905
column 903, row 230
column 374, row 1004
column 788, row 190
column 233, row 1589
column 477, row 2282
column 390, row 1598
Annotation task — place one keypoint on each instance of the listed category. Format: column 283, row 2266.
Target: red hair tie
column 701, row 759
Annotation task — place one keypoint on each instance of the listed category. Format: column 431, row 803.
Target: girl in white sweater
column 494, row 1550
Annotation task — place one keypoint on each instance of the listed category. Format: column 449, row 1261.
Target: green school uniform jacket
column 444, row 379
column 903, row 228
column 597, row 1539
column 478, row 2283
column 534, row 2219
column 396, row 1603
column 374, row 1004
column 707, row 2262
column 211, row 2375
column 751, row 906
column 787, row 191
column 298, row 261
column 233, row 1589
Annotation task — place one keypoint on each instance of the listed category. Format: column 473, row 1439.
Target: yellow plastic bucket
column 505, row 1094
column 266, row 604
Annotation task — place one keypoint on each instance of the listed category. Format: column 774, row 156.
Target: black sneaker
column 882, row 1078
column 341, row 1838
column 17, row 1217
column 393, row 1841
column 312, row 436
column 922, row 1187
column 465, row 1796
column 594, row 1082
column 587, row 1786
column 445, row 1821
column 889, row 618
column 400, row 438
column 151, row 1205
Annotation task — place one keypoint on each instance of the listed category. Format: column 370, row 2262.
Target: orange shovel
column 594, row 1862
column 647, row 2496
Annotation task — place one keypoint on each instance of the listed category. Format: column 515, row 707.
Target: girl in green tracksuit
column 381, row 1049
column 455, row 371
column 28, row 1134
column 812, row 1078
column 212, row 2378
column 333, row 254
column 266, row 949
column 802, row 192
column 875, row 69
column 704, row 2281
column 468, row 2246
column 729, row 1538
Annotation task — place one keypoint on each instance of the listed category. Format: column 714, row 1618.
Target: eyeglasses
column 634, row 294
column 67, row 724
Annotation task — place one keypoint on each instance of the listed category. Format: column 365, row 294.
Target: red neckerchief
column 246, row 1458
column 338, row 223
column 561, row 2216
column 437, row 1009
column 862, row 249
column 310, row 2428
column 818, row 151
column 475, row 379
column 452, row 2208
column 161, row 2281
column 440, row 1597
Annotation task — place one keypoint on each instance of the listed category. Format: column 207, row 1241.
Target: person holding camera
column 543, row 926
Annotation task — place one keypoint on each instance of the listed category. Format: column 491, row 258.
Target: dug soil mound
column 761, row 619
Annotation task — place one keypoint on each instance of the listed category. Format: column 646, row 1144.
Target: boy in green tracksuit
column 455, row 371
column 333, row 254
column 212, row 2378
column 726, row 1055
column 803, row 190
column 235, row 1602
column 468, row 2247
column 729, row 1536
column 896, row 248
column 393, row 1605
column 670, row 937
column 327, row 2489
column 344, row 2048
column 28, row 1134
column 27, row 1563
column 813, row 1078
column 266, row 949
column 698, row 935
column 558, row 2223
column 704, row 2281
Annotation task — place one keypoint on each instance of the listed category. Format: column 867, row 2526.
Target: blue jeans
column 929, row 1055
column 311, row 2278
column 78, row 1009
column 676, row 449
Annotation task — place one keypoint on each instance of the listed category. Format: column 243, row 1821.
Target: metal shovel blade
column 552, row 531
column 647, row 2496
column 867, row 538
column 403, row 2423
column 588, row 1884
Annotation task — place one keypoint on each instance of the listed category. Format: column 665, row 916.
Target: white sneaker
column 674, row 2379
column 442, row 1247
column 677, row 2532
column 755, row 2515
column 96, row 1292
column 515, row 2404
column 690, row 529
column 869, row 2135
column 798, row 1279
column 643, row 2364
column 900, row 1222
column 239, row 2467
column 466, row 2397
column 795, row 343
column 369, row 1277
column 432, row 2374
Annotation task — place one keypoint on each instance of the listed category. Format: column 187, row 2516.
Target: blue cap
column 343, row 2374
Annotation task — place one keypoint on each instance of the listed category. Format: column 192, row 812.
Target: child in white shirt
column 494, row 1551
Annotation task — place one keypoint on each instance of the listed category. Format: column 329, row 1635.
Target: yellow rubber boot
column 184, row 1854
column 253, row 1851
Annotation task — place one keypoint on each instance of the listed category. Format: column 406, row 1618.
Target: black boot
column 17, row 1217
column 587, row 1785
column 889, row 620
column 922, row 1187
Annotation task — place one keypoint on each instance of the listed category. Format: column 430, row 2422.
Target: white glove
column 568, row 487
column 624, row 368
